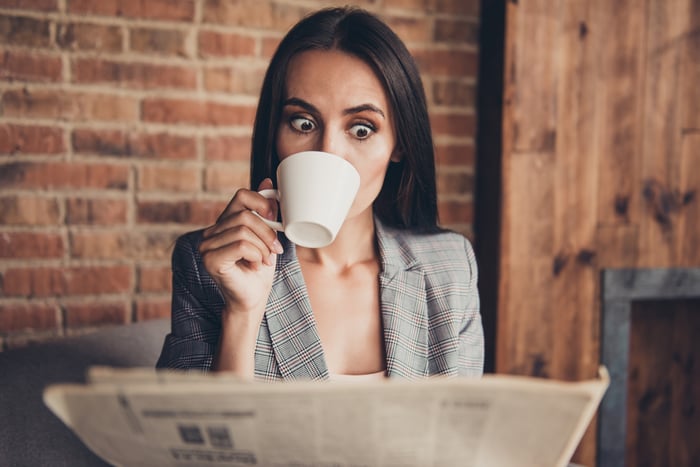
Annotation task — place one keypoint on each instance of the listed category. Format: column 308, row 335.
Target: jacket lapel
column 293, row 334
column 403, row 306
column 290, row 321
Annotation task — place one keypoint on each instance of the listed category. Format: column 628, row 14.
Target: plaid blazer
column 428, row 298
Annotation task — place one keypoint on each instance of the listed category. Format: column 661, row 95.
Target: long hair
column 408, row 198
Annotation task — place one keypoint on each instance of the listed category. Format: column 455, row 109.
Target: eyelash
column 371, row 128
column 366, row 125
column 293, row 119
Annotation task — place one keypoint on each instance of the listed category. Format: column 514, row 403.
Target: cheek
column 372, row 179
column 282, row 144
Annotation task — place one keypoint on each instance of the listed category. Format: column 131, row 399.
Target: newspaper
column 140, row 417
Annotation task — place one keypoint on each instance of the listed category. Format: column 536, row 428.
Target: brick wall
column 124, row 123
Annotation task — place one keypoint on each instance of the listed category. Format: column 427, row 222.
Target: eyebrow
column 350, row 111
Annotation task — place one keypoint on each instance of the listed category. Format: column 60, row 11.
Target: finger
column 250, row 221
column 265, row 240
column 235, row 235
column 246, row 199
column 220, row 261
column 245, row 225
column 266, row 184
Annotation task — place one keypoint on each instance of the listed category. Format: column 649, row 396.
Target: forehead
column 333, row 75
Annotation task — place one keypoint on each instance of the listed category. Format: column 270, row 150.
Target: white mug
column 315, row 191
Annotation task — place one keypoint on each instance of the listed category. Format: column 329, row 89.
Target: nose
column 332, row 142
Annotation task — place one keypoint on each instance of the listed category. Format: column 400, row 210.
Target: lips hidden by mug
column 315, row 191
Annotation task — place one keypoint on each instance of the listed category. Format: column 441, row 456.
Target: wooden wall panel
column 601, row 169
column 688, row 245
column 572, row 273
column 661, row 139
column 664, row 386
column 619, row 103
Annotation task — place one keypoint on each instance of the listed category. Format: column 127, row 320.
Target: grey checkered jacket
column 428, row 298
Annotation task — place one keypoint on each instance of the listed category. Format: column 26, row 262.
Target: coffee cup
column 315, row 191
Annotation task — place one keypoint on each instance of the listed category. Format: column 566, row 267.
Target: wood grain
column 601, row 157
column 663, row 390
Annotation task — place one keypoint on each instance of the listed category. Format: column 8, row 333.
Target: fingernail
column 271, row 260
column 277, row 247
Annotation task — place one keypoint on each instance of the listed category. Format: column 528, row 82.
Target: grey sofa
column 30, row 435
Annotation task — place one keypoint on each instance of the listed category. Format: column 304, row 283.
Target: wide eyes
column 359, row 131
column 303, row 125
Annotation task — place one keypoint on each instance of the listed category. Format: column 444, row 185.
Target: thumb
column 265, row 185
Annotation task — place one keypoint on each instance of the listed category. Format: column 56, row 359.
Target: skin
column 334, row 103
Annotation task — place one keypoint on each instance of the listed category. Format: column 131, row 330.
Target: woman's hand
column 240, row 252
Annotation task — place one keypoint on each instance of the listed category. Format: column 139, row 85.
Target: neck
column 355, row 243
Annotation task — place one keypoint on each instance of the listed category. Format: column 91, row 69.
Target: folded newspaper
column 142, row 417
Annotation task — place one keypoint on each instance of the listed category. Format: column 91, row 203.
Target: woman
column 394, row 294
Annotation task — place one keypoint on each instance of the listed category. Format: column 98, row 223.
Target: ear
column 396, row 156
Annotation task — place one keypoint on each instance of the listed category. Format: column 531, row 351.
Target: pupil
column 306, row 126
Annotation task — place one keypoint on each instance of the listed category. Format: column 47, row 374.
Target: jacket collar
column 292, row 327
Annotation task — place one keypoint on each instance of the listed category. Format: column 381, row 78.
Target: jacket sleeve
column 471, row 333
column 196, row 310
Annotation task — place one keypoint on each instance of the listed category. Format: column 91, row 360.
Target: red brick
column 142, row 145
column 90, row 244
column 179, row 212
column 226, row 178
column 197, row 112
column 252, row 13
column 453, row 124
column 152, row 308
column 234, row 80
column 225, row 44
column 65, row 281
column 159, row 41
column 16, row 317
column 29, row 210
column 456, row 212
column 422, row 5
column 411, row 29
column 453, row 94
column 151, row 9
column 452, row 183
column 167, row 178
column 455, row 154
column 27, row 245
column 27, row 32
column 120, row 245
column 269, row 46
column 447, row 62
column 85, row 36
column 27, row 66
column 96, row 211
column 32, row 5
column 457, row 7
column 30, row 139
column 63, row 105
column 91, row 314
column 457, row 31
column 452, row 7
column 228, row 148
column 39, row 175
column 133, row 75
column 154, row 279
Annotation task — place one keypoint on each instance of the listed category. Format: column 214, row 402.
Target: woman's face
column 335, row 103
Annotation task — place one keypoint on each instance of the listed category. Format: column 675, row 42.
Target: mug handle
column 270, row 193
